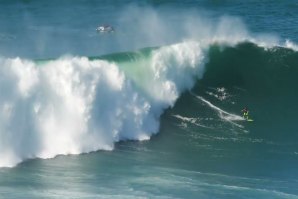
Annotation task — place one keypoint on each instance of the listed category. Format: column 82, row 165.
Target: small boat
column 105, row 28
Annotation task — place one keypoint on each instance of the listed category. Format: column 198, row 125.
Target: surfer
column 245, row 113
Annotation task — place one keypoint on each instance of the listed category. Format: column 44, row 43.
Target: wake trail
column 229, row 117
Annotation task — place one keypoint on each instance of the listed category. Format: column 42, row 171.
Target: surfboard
column 250, row 120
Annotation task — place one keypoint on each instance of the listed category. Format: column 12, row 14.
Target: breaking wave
column 74, row 105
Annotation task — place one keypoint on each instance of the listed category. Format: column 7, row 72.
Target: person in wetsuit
column 245, row 113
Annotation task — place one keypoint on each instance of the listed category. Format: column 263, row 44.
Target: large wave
column 73, row 105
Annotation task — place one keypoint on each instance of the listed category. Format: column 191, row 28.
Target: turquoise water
column 154, row 109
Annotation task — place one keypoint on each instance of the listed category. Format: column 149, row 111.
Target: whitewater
column 73, row 105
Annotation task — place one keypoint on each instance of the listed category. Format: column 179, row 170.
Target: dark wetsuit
column 245, row 113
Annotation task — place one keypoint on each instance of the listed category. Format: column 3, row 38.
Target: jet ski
column 105, row 28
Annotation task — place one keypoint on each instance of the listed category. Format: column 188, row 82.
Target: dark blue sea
column 153, row 108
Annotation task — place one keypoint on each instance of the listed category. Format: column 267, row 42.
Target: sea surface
column 153, row 109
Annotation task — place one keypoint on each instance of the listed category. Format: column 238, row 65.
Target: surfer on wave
column 245, row 113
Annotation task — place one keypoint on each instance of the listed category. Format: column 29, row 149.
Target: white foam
column 191, row 120
column 73, row 105
column 291, row 45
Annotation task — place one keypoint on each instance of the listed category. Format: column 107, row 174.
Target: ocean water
column 152, row 110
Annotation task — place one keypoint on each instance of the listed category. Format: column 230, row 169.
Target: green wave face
column 264, row 80
column 263, row 72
